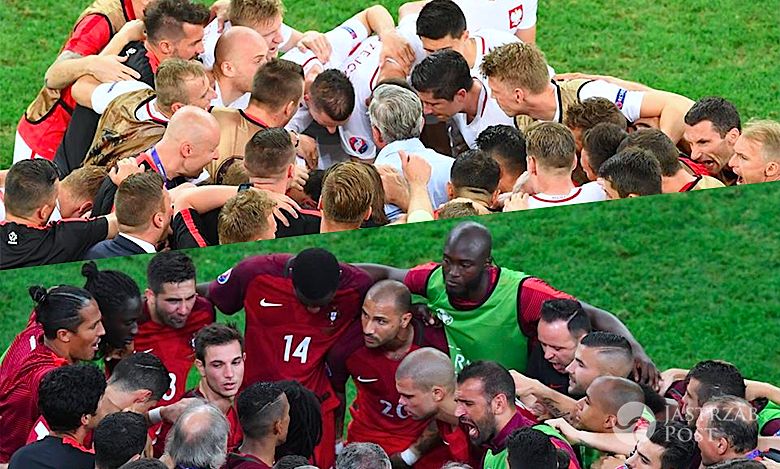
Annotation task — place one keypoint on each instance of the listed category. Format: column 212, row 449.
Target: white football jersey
column 486, row 41
column 488, row 113
column 504, row 15
column 343, row 40
column 362, row 69
column 105, row 93
column 590, row 192
column 629, row 102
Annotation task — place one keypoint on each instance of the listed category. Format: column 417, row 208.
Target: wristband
column 155, row 416
column 409, row 457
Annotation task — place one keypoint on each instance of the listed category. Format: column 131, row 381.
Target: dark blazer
column 119, row 246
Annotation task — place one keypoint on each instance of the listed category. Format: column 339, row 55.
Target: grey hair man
column 363, row 456
column 396, row 116
column 199, row 438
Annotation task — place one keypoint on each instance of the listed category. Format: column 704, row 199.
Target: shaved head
column 611, row 393
column 391, row 291
column 239, row 53
column 190, row 123
column 473, row 237
column 195, row 133
column 427, row 367
column 466, row 260
column 236, row 39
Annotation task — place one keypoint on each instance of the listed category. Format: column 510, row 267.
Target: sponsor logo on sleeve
column 620, row 98
column 515, row 16
column 351, row 32
column 13, row 238
column 222, row 279
column 358, row 144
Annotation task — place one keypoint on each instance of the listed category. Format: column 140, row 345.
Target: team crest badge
column 358, row 144
column 515, row 16
column 222, row 279
column 333, row 316
column 444, row 317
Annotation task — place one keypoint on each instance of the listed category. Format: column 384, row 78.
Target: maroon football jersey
column 377, row 417
column 239, row 460
column 20, row 374
column 284, row 341
column 174, row 346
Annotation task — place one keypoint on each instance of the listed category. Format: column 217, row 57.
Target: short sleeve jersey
column 61, row 241
column 284, row 341
column 20, row 374
column 362, row 69
column 174, row 346
column 488, row 113
column 376, row 415
column 629, row 102
column 533, row 292
column 344, row 40
column 504, row 15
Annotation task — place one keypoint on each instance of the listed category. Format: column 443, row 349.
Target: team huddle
column 566, row 385
column 166, row 125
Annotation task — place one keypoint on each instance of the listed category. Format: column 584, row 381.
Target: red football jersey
column 459, row 446
column 174, row 346
column 284, row 341
column 20, row 374
column 377, row 417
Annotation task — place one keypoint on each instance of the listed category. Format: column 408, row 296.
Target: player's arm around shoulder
column 379, row 272
column 670, row 108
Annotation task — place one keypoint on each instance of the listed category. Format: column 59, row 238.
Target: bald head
column 611, row 393
column 189, row 123
column 239, row 51
column 190, row 139
column 392, row 292
column 427, row 367
column 473, row 237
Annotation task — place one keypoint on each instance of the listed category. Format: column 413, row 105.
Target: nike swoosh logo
column 266, row 304
column 367, row 380
column 148, row 351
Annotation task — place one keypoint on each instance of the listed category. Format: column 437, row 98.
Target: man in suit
column 143, row 210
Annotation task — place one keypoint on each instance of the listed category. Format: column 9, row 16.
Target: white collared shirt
column 145, row 245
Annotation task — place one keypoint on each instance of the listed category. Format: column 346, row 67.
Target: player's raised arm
column 645, row 370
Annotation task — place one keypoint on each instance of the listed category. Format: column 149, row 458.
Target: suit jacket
column 119, row 246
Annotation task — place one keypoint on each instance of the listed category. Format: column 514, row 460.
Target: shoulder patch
column 620, row 98
column 222, row 279
column 358, row 144
column 515, row 16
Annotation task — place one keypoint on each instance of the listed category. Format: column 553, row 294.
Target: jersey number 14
column 301, row 351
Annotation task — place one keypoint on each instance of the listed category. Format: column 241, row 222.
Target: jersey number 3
column 301, row 351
